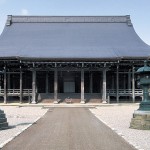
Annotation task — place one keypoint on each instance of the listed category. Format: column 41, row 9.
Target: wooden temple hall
column 76, row 59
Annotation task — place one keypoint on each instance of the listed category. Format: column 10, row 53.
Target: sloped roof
column 71, row 37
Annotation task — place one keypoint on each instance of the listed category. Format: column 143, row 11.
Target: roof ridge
column 66, row 19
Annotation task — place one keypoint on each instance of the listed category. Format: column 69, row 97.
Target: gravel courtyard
column 118, row 119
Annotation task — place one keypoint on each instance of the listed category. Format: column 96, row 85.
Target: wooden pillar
column 91, row 82
column 117, row 84
column 55, row 86
column 82, row 86
column 133, row 85
column 46, row 82
column 21, row 92
column 33, row 87
column 129, row 79
column 104, row 87
column 5, row 86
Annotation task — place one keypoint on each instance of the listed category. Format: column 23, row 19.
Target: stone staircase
column 3, row 120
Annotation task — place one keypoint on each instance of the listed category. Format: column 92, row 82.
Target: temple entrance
column 69, row 82
column 69, row 87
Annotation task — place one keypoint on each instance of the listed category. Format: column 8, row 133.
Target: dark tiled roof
column 68, row 37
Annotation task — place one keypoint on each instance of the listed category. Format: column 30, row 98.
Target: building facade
column 77, row 58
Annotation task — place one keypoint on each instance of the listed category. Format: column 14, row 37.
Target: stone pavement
column 68, row 129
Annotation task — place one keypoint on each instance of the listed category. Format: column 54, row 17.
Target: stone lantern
column 141, row 117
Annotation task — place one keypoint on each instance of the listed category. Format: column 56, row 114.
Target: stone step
column 2, row 115
column 3, row 125
column 1, row 111
column 3, row 120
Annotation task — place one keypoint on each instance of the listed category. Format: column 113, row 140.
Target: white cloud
column 24, row 12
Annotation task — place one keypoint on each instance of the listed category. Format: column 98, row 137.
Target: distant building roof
column 71, row 37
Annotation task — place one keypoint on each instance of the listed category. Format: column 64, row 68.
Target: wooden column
column 91, row 82
column 5, row 86
column 21, row 86
column 117, row 84
column 55, row 86
column 133, row 85
column 33, row 87
column 46, row 82
column 104, row 87
column 82, row 86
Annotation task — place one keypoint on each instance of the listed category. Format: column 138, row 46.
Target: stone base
column 144, row 106
column 55, row 102
column 82, row 102
column 104, row 102
column 140, row 120
column 33, row 102
column 3, row 121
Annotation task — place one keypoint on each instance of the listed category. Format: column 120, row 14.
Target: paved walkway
column 68, row 129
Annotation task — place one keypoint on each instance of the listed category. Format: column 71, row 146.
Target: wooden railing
column 16, row 92
column 124, row 92
column 110, row 92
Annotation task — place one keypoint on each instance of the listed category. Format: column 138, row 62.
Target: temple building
column 78, row 58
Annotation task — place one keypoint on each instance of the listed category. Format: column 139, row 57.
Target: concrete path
column 68, row 129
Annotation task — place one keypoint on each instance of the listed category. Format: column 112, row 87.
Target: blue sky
column 138, row 9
